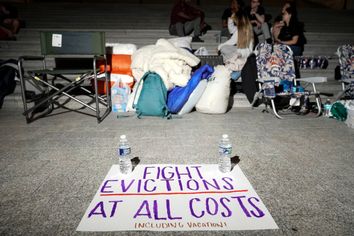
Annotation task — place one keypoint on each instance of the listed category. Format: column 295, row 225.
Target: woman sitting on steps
column 236, row 50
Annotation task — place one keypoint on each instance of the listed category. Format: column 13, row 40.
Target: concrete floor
column 301, row 168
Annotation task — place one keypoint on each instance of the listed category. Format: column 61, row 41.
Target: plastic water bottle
column 125, row 163
column 225, row 150
column 327, row 108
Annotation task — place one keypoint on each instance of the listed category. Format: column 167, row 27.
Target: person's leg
column 180, row 29
column 12, row 24
column 204, row 27
column 193, row 25
column 296, row 50
column 261, row 38
column 257, row 32
column 172, row 30
column 265, row 31
column 6, row 34
column 15, row 25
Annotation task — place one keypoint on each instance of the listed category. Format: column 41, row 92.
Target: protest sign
column 176, row 198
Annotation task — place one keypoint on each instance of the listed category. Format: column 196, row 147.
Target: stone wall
column 334, row 4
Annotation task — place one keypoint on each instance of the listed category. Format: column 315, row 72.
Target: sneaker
column 196, row 39
column 304, row 111
column 205, row 29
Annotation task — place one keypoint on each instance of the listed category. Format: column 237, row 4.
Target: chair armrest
column 98, row 57
column 347, row 81
column 21, row 60
column 313, row 79
column 31, row 58
column 276, row 79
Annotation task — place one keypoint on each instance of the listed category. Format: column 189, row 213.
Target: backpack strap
column 137, row 88
column 168, row 113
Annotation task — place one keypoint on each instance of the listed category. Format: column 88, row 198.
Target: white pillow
column 215, row 98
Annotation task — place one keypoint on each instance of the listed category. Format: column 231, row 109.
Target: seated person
column 291, row 33
column 256, row 15
column 289, row 4
column 236, row 50
column 9, row 23
column 187, row 18
column 277, row 25
column 235, row 5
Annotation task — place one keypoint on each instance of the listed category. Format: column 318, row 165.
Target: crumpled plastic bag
column 202, row 51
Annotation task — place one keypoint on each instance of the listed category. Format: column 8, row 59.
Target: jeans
column 262, row 33
column 182, row 29
column 297, row 51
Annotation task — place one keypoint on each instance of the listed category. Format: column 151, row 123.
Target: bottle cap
column 123, row 136
column 225, row 136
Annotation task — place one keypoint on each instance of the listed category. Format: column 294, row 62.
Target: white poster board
column 57, row 40
column 176, row 198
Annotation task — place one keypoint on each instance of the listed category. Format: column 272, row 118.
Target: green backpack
column 153, row 97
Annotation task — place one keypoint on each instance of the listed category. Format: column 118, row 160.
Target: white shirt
column 233, row 39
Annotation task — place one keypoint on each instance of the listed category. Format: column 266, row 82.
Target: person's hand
column 255, row 23
column 281, row 23
column 275, row 33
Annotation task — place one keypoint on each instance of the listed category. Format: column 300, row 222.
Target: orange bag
column 118, row 64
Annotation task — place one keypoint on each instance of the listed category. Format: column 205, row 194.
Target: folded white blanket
column 173, row 64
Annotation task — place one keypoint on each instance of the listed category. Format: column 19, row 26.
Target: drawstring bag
column 339, row 111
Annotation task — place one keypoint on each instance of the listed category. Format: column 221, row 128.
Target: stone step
column 131, row 30
column 312, row 37
column 317, row 73
column 327, row 90
column 32, row 35
column 240, row 100
column 10, row 49
column 113, row 15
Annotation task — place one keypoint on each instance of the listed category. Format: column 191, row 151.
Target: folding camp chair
column 278, row 86
column 346, row 63
column 70, row 46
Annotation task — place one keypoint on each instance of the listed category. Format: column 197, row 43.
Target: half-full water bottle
column 125, row 163
column 225, row 150
column 327, row 108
